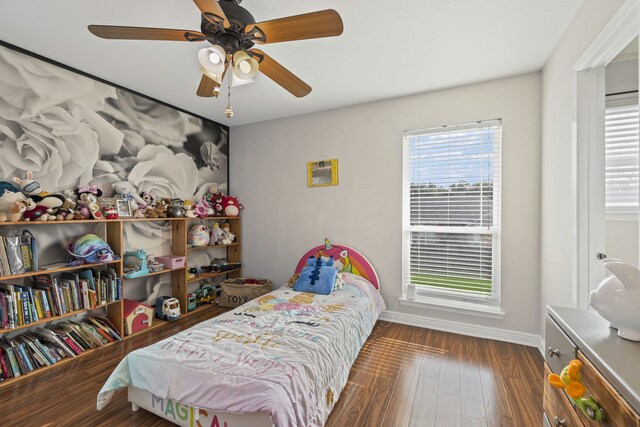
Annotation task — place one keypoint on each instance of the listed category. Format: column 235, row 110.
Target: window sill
column 460, row 307
column 622, row 216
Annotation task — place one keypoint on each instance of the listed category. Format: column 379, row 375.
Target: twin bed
column 281, row 359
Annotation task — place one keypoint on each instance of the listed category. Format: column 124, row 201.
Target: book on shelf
column 52, row 296
column 18, row 254
column 46, row 346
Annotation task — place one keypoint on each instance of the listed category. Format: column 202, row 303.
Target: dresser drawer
column 557, row 407
column 560, row 350
column 617, row 412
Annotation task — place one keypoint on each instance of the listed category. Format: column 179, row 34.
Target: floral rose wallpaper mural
column 69, row 130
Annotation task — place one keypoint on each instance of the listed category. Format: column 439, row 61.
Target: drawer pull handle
column 558, row 422
column 570, row 381
column 551, row 352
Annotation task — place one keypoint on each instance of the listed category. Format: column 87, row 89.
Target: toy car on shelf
column 206, row 294
column 167, row 308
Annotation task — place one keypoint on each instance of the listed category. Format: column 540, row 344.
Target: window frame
column 620, row 213
column 455, row 299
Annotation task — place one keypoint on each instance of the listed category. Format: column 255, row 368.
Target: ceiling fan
column 233, row 32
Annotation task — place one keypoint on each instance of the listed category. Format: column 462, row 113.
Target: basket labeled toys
column 238, row 291
column 172, row 261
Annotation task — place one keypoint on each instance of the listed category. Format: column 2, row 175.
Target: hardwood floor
column 404, row 376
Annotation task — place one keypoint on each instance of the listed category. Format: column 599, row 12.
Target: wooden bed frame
column 347, row 260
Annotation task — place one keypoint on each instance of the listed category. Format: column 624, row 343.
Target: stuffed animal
column 85, row 199
column 176, row 208
column 162, row 207
column 198, row 235
column 228, row 237
column 15, row 213
column 37, row 213
column 188, row 210
column 203, row 209
column 31, row 188
column 9, row 194
column 217, row 235
column 126, row 191
column 292, row 280
column 148, row 199
column 231, row 206
column 570, row 379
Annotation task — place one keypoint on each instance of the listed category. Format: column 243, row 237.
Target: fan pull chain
column 228, row 111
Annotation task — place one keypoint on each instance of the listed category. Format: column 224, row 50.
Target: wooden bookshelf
column 44, row 270
column 155, row 273
column 203, row 276
column 114, row 234
column 197, row 248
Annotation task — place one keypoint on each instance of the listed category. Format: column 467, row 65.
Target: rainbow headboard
column 347, row 260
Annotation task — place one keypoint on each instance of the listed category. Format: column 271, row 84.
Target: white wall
column 283, row 218
column 558, row 244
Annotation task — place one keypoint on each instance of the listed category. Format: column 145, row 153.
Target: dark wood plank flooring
column 404, row 376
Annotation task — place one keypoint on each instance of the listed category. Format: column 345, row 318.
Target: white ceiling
column 388, row 49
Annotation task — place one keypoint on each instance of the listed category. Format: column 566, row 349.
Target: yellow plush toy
column 570, row 379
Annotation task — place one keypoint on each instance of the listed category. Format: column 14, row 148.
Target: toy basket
column 172, row 261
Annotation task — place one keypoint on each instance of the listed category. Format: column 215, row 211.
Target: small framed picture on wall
column 322, row 173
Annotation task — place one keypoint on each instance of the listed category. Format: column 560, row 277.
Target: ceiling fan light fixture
column 212, row 59
column 244, row 66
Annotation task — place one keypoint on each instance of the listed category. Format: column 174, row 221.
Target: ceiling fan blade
column 206, row 86
column 142, row 33
column 276, row 72
column 324, row 23
column 212, row 11
column 208, row 83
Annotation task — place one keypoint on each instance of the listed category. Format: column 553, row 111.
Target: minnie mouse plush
column 88, row 201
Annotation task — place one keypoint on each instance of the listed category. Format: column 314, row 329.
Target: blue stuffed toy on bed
column 317, row 277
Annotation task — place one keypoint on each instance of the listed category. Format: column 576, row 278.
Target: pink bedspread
column 287, row 353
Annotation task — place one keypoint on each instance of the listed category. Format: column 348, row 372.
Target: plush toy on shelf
column 188, row 210
column 87, row 204
column 126, row 191
column 48, row 206
column 228, row 237
column 198, row 235
column 203, row 209
column 31, row 188
column 217, row 235
column 15, row 213
column 570, row 379
column 231, row 206
column 148, row 199
column 176, row 208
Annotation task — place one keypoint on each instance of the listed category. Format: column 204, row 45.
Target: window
column 451, row 224
column 621, row 156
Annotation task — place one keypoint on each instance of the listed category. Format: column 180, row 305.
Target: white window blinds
column 451, row 225
column 622, row 158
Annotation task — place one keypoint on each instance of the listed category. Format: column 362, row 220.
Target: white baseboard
column 515, row 337
column 541, row 345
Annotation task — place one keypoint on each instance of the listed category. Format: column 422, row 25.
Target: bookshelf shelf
column 59, row 363
column 44, row 270
column 197, row 248
column 95, row 221
column 155, row 273
column 199, row 308
column 203, row 276
column 54, row 318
